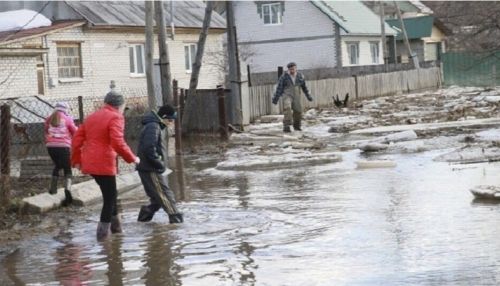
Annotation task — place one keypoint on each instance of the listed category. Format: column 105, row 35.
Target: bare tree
column 474, row 25
column 193, row 83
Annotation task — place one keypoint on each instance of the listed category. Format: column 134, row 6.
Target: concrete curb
column 84, row 193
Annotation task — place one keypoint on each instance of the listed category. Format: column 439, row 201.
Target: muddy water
column 415, row 224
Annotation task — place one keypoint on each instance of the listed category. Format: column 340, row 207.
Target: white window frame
column 349, row 53
column 72, row 68
column 189, row 56
column 375, row 55
column 274, row 19
column 135, row 71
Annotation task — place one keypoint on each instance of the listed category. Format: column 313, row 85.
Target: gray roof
column 187, row 14
column 354, row 17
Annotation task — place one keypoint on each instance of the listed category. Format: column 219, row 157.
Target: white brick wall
column 18, row 76
column 105, row 57
column 300, row 19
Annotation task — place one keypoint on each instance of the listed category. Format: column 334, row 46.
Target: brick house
column 91, row 43
column 315, row 34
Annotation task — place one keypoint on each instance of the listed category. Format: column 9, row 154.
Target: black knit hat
column 291, row 64
column 114, row 98
column 167, row 111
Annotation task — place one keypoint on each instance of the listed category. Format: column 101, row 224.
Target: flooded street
column 333, row 224
column 296, row 209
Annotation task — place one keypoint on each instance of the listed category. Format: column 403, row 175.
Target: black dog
column 340, row 103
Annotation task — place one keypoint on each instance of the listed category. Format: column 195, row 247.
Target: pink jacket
column 60, row 136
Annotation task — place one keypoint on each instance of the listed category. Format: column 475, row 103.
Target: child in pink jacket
column 59, row 130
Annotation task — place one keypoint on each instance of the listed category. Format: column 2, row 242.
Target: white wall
column 365, row 57
column 300, row 20
column 19, row 74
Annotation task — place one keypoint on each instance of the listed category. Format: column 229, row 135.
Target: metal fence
column 25, row 163
column 471, row 68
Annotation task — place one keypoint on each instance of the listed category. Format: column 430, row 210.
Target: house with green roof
column 315, row 34
column 426, row 33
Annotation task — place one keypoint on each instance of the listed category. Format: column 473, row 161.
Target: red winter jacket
column 98, row 140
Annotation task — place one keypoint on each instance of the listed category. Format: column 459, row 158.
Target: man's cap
column 291, row 64
column 114, row 98
column 167, row 111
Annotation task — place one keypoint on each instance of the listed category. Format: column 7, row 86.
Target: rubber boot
column 103, row 231
column 53, row 185
column 145, row 214
column 287, row 129
column 296, row 126
column 175, row 218
column 68, row 198
column 116, row 224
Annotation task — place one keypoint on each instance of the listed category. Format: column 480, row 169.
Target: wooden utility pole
column 384, row 40
column 234, row 80
column 165, row 76
column 149, row 54
column 407, row 43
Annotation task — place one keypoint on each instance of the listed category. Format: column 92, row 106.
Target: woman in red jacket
column 94, row 149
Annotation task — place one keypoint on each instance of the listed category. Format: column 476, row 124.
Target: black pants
column 109, row 196
column 160, row 195
column 61, row 158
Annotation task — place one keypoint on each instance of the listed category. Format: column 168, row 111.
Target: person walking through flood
column 95, row 147
column 289, row 85
column 152, row 165
column 59, row 131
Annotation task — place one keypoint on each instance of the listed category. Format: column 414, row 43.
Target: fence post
column 181, row 103
column 224, row 133
column 5, row 153
column 178, row 128
column 280, row 71
column 80, row 108
column 356, row 86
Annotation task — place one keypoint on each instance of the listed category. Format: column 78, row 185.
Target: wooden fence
column 358, row 87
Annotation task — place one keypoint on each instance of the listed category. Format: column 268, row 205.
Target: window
column 136, row 56
column 374, row 51
column 189, row 56
column 353, row 52
column 68, row 60
column 272, row 13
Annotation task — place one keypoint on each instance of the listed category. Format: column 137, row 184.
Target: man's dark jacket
column 150, row 149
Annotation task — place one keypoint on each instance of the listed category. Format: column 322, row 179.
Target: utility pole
column 165, row 76
column 384, row 40
column 234, row 80
column 193, row 83
column 149, row 54
column 407, row 43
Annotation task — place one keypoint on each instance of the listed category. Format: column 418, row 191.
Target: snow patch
column 22, row 19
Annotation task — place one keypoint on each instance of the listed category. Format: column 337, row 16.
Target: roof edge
column 321, row 6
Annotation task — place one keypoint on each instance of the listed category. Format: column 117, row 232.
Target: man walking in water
column 289, row 85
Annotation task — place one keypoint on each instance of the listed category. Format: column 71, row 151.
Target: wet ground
column 326, row 224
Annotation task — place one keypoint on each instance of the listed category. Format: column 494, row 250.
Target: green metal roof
column 353, row 16
column 416, row 28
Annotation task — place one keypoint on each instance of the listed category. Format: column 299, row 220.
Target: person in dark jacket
column 288, row 87
column 152, row 166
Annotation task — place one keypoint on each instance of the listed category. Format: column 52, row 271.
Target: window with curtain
column 136, row 56
column 271, row 13
column 189, row 56
column 353, row 52
column 374, row 51
column 69, row 60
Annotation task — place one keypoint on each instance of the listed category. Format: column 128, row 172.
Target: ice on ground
column 489, row 135
column 474, row 154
